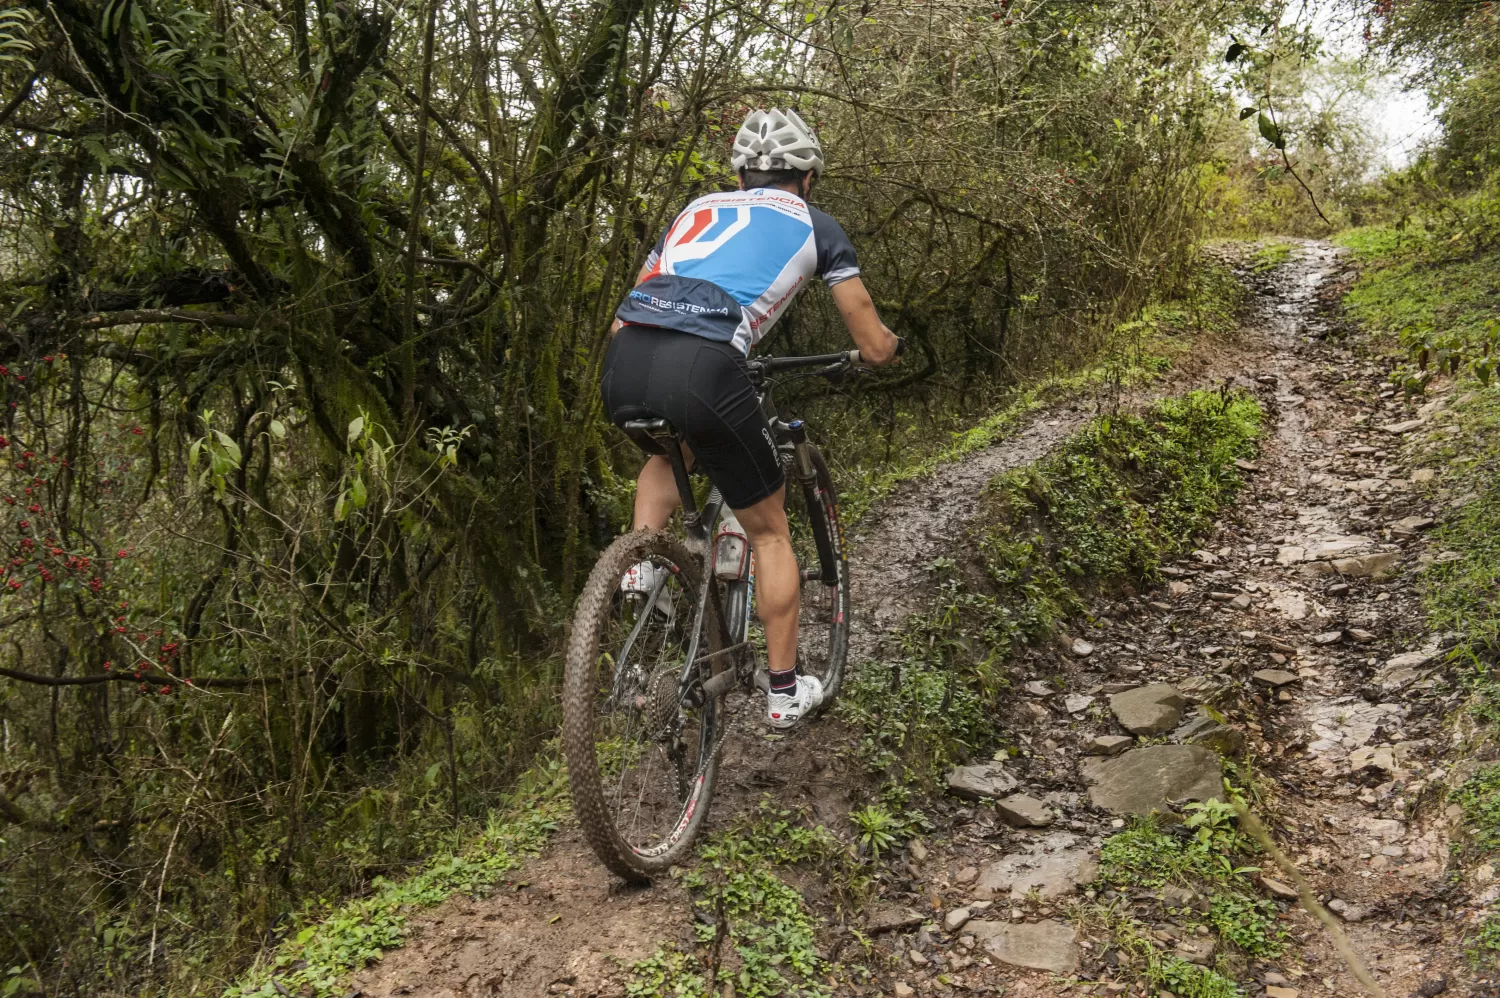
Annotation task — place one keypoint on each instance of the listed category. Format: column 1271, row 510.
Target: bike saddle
column 648, row 433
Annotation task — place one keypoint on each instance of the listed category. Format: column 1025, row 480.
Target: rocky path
column 1289, row 641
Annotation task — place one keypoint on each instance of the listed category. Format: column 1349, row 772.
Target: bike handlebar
column 832, row 361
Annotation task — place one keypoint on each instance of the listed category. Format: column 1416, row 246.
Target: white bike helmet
column 776, row 140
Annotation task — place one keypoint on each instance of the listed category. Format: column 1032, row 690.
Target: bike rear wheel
column 641, row 759
column 818, row 540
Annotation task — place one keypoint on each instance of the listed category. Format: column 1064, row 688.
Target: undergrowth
column 331, row 941
column 1430, row 292
column 1145, row 347
column 1199, row 872
column 756, row 935
column 1102, row 512
column 1269, row 256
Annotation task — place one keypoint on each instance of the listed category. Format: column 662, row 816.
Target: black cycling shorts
column 701, row 387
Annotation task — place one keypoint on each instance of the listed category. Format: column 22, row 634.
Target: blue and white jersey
column 731, row 263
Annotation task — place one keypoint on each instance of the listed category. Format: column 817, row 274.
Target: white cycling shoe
column 642, row 579
column 785, row 709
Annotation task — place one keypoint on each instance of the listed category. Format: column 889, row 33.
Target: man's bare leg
column 777, row 586
column 656, row 496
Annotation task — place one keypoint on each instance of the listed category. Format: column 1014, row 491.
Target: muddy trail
column 1292, row 636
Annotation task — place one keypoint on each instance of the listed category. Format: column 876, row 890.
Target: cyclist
column 710, row 290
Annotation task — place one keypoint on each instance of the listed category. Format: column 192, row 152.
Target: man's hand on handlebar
column 858, row 359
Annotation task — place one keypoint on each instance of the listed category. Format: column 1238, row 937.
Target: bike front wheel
column 641, row 757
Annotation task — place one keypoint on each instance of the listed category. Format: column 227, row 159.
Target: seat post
column 691, row 517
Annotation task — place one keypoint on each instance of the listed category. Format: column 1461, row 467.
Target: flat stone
column 967, row 875
column 1422, row 475
column 1381, row 757
column 1052, row 866
column 1328, row 638
column 1046, row 945
column 1347, row 911
column 1081, row 648
column 1409, row 659
column 1148, row 710
column 1278, row 889
column 1396, row 429
column 1360, row 636
column 1179, row 588
column 1197, row 949
column 1409, row 526
column 1275, row 992
column 1108, row 744
column 1022, row 811
column 1147, row 779
column 1240, row 602
column 955, row 919
column 1335, row 547
column 904, row 990
column 1275, row 678
column 1290, row 555
column 1201, row 729
column 986, row 779
column 1373, row 566
column 1076, row 702
column 892, row 918
column 1037, row 688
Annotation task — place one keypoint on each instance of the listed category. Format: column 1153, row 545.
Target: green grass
column 1103, row 511
column 768, row 941
column 1207, row 855
column 1144, row 348
column 1436, row 299
column 1479, row 796
column 330, row 942
column 1269, row 256
column 1431, row 292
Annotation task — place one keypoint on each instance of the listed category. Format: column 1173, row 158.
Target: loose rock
column 1279, row 889
column 1108, row 744
column 1022, row 811
column 955, row 919
column 1148, row 710
column 1046, row 945
column 983, row 780
column 892, row 918
column 1144, row 780
column 1076, row 702
column 1373, row 566
column 1052, row 866
column 1201, row 729
column 1275, row 678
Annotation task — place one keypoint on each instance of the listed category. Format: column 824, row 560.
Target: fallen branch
column 129, row 676
column 1309, row 900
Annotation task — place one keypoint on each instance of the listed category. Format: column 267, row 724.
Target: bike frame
column 699, row 524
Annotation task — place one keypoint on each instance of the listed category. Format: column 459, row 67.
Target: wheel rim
column 652, row 750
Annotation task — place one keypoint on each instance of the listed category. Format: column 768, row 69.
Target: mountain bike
column 648, row 674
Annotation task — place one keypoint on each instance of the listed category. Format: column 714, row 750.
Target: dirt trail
column 562, row 925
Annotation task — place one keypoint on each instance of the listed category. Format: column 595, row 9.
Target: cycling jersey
column 731, row 263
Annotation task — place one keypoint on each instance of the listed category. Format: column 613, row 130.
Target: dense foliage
column 301, row 310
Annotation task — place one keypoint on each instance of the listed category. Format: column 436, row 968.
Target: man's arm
column 877, row 344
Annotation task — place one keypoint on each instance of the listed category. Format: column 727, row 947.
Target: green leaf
column 306, row 934
column 356, row 427
column 1247, row 112
column 1234, row 52
column 357, row 494
column 1270, row 132
column 278, row 429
